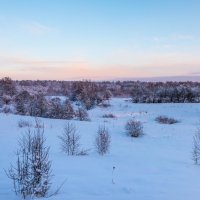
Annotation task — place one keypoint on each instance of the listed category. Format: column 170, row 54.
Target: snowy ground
column 157, row 166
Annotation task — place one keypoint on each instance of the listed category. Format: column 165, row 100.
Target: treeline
column 33, row 101
column 41, row 98
column 169, row 92
column 144, row 92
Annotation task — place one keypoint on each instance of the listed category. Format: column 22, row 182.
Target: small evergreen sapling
column 196, row 147
column 31, row 174
column 102, row 140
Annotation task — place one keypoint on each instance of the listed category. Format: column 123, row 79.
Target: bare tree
column 102, row 140
column 7, row 86
column 134, row 128
column 70, row 140
column 31, row 174
column 196, row 147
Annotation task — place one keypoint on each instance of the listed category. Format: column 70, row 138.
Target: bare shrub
column 102, row 140
column 105, row 105
column 82, row 114
column 24, row 123
column 196, row 147
column 31, row 174
column 134, row 128
column 109, row 115
column 38, row 123
column 70, row 141
column 166, row 120
column 83, row 152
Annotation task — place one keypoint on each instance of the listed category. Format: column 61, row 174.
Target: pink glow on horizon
column 146, row 67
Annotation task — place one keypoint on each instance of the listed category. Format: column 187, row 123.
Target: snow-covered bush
column 7, row 109
column 70, row 141
column 22, row 103
column 107, row 95
column 68, row 111
column 166, row 120
column 54, row 108
column 87, row 93
column 196, row 147
column 6, row 99
column 57, row 109
column 38, row 106
column 134, row 128
column 31, row 174
column 102, row 140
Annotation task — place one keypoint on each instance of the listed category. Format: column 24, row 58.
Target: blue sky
column 107, row 39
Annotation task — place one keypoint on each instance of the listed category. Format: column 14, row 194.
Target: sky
column 100, row 39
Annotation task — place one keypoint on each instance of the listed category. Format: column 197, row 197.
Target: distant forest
column 140, row 92
column 45, row 98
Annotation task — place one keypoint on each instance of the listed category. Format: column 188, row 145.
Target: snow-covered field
column 157, row 166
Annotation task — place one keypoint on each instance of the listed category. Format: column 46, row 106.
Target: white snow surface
column 157, row 166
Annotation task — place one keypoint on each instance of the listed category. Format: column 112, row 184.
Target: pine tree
column 31, row 174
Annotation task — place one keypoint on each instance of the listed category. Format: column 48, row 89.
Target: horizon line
column 141, row 79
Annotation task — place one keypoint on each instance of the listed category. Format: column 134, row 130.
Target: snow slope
column 154, row 167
